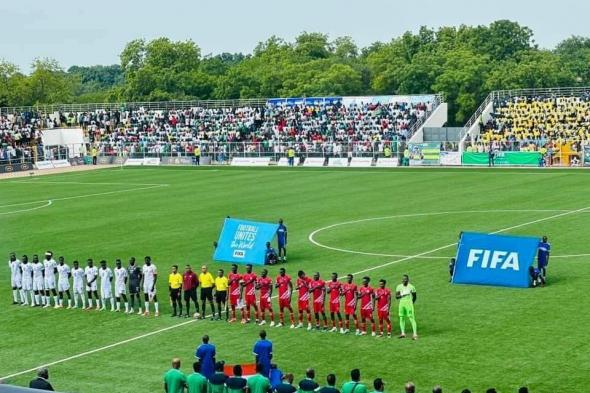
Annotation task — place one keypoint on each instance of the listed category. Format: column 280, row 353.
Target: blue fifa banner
column 495, row 260
column 244, row 241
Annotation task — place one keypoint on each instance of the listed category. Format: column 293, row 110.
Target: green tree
column 49, row 83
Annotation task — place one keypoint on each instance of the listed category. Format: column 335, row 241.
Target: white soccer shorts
column 63, row 285
column 106, row 293
column 38, row 284
column 49, row 283
column 91, row 287
column 79, row 289
column 120, row 290
column 28, row 285
column 16, row 282
column 148, row 291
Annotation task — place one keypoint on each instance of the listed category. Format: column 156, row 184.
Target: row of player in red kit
column 243, row 290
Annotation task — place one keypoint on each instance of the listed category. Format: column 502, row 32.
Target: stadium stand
column 321, row 127
column 555, row 123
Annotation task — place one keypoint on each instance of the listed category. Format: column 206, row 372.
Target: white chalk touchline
column 35, row 181
column 191, row 321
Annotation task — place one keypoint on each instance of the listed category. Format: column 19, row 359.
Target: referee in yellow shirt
column 221, row 285
column 206, row 281
column 175, row 286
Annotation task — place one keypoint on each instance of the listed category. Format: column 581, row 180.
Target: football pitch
column 380, row 223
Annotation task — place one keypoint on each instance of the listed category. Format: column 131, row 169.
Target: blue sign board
column 244, row 241
column 494, row 260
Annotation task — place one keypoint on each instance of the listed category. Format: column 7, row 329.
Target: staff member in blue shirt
column 543, row 256
column 282, row 241
column 270, row 256
column 263, row 352
column 206, row 355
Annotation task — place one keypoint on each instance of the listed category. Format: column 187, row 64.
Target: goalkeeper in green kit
column 406, row 293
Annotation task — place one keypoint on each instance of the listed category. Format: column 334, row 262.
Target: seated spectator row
column 190, row 126
column 533, row 122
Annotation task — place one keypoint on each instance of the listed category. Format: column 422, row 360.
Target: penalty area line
column 119, row 343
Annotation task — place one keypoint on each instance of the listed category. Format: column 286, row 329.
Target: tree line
column 465, row 63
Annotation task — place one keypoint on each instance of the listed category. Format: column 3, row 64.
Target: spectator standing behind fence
column 206, row 355
column 41, row 382
column 94, row 155
column 174, row 379
column 197, row 153
column 291, row 156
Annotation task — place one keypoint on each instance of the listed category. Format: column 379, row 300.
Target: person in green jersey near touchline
column 196, row 382
column 406, row 293
column 258, row 383
column 174, row 379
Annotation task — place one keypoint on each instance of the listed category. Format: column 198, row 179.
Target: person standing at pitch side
column 282, row 241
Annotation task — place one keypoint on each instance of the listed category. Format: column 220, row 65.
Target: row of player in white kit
column 36, row 281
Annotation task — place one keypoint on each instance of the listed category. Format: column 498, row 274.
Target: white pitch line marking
column 88, row 195
column 34, row 181
column 192, row 321
column 314, row 233
column 47, row 204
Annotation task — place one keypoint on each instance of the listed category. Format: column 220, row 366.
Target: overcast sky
column 94, row 32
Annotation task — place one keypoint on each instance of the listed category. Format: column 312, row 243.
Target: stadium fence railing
column 222, row 153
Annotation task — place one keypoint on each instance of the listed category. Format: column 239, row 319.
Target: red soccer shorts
column 318, row 307
column 264, row 304
column 348, row 310
column 284, row 303
column 234, row 300
column 366, row 314
column 335, row 307
column 303, row 305
column 383, row 315
column 250, row 300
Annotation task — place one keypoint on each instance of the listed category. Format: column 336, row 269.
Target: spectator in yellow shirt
column 206, row 281
column 221, row 285
column 175, row 287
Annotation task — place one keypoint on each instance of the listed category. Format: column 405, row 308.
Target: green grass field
column 470, row 336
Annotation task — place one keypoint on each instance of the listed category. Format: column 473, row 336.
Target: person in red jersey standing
column 264, row 285
column 349, row 291
column 318, row 291
column 234, row 279
column 334, row 288
column 366, row 295
column 383, row 298
column 303, row 284
column 249, row 287
column 285, row 287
